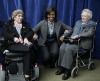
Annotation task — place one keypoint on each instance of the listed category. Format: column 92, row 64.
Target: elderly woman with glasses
column 83, row 28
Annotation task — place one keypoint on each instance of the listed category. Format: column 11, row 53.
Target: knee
column 46, row 58
column 69, row 52
column 62, row 48
column 54, row 53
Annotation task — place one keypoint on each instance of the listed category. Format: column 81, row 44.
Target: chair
column 2, row 57
column 16, row 58
column 14, row 63
column 79, row 62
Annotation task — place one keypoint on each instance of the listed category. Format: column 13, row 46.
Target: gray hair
column 16, row 12
column 89, row 12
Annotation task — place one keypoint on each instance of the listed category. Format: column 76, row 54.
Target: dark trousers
column 50, row 52
column 27, row 63
column 30, row 59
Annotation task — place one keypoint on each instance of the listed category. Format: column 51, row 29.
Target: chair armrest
column 67, row 40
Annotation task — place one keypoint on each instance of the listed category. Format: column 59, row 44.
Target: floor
column 47, row 74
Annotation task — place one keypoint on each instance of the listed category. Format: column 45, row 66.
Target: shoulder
column 43, row 21
column 8, row 23
column 79, row 21
column 59, row 22
column 91, row 23
column 26, row 24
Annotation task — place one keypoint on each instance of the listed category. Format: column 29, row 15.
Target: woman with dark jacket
column 50, row 34
column 18, row 34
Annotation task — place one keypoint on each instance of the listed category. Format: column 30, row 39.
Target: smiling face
column 85, row 17
column 51, row 16
column 18, row 18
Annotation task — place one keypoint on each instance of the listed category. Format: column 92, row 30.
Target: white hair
column 89, row 12
column 16, row 12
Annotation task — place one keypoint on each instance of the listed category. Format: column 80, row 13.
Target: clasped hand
column 20, row 40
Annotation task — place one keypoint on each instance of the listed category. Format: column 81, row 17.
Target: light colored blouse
column 51, row 27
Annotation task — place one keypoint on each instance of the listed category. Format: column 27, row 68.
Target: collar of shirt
column 50, row 24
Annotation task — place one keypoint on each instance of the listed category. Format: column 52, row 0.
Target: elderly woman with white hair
column 18, row 33
column 83, row 28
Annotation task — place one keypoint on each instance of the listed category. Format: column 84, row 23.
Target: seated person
column 49, row 30
column 83, row 28
column 18, row 34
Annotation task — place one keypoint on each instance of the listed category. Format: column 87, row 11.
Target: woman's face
column 51, row 16
column 18, row 18
column 85, row 17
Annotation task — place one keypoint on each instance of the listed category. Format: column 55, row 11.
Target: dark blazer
column 42, row 27
column 9, row 31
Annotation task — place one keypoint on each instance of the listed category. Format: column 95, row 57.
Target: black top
column 9, row 31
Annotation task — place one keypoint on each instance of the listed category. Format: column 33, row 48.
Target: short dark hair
column 50, row 9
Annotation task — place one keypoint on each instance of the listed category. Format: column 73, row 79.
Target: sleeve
column 38, row 26
column 89, row 33
column 66, row 27
column 6, row 32
column 29, row 33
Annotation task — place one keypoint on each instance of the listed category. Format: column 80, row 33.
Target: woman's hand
column 21, row 39
column 61, row 38
column 16, row 40
column 75, row 37
column 35, row 37
column 26, row 42
column 66, row 31
column 71, row 40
